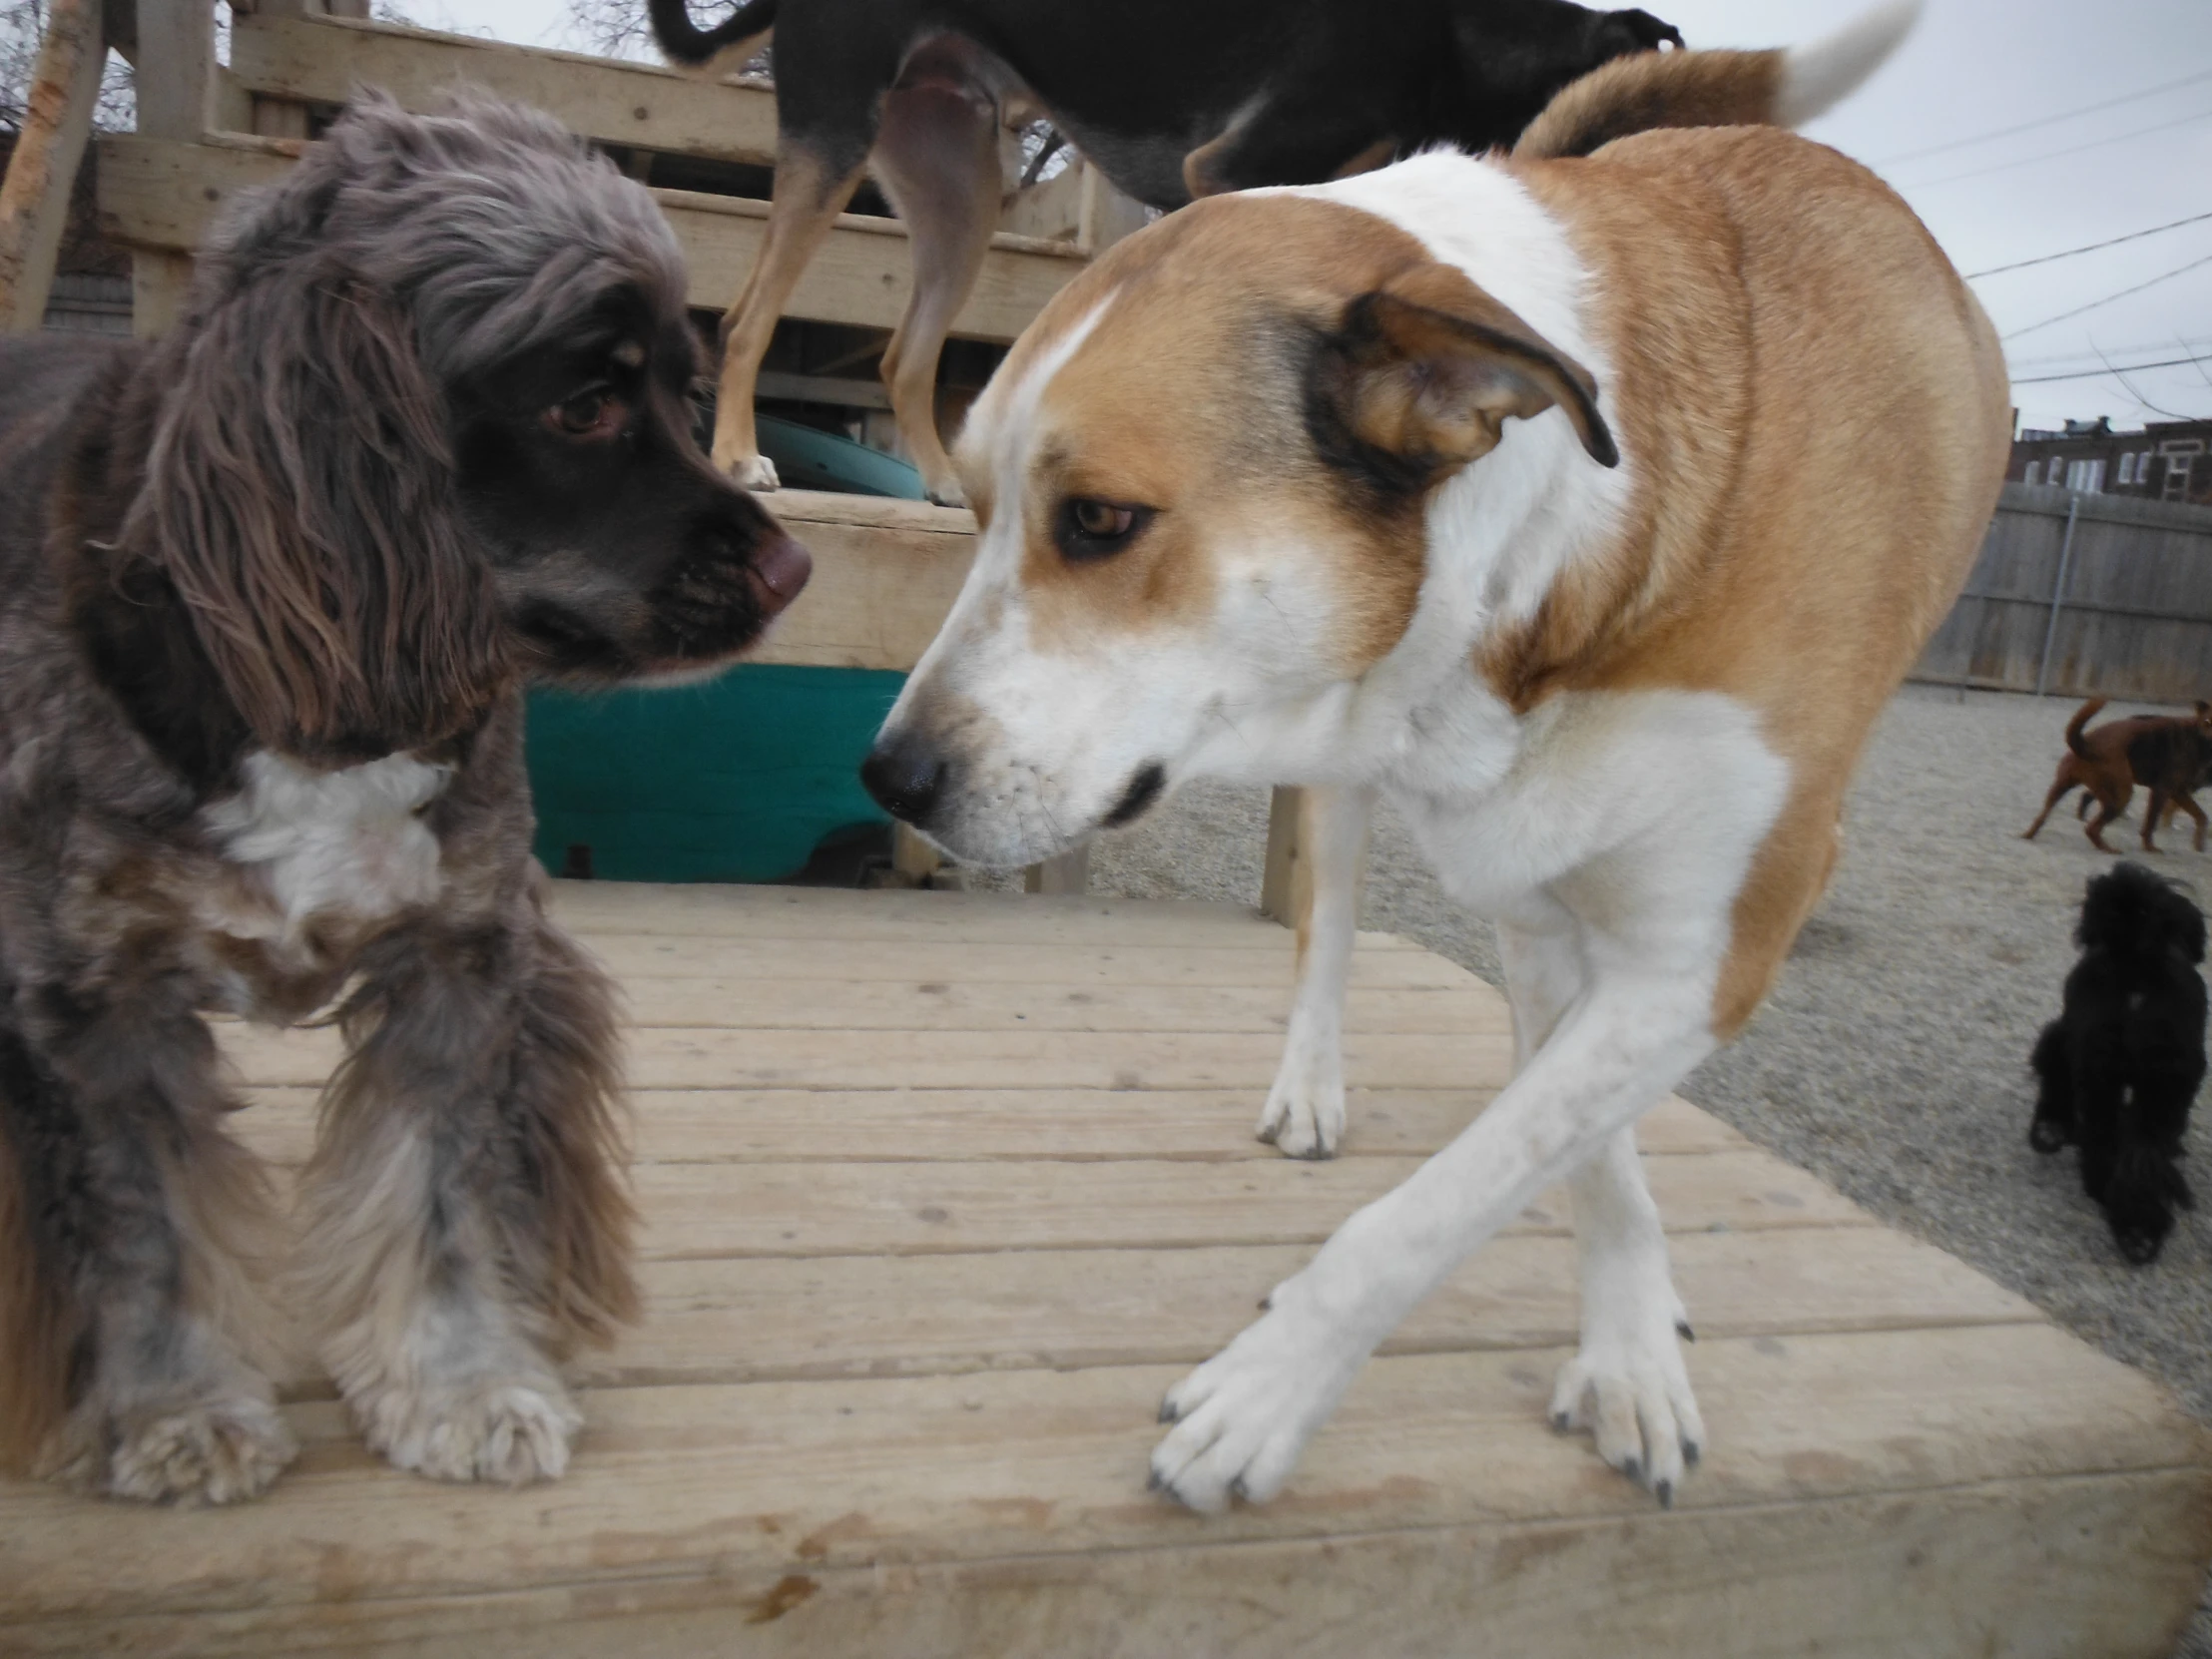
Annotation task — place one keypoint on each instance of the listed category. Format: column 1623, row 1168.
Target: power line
column 2055, row 155
column 2086, row 247
column 2099, row 373
column 2044, row 120
column 2123, row 350
column 2108, row 299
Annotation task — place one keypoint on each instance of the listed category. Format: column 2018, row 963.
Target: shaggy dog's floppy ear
column 303, row 494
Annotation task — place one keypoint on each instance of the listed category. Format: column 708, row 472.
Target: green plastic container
column 736, row 780
column 808, row 459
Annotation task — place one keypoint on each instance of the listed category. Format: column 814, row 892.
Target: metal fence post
column 2059, row 590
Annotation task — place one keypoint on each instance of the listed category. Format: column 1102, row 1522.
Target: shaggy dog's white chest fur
column 351, row 842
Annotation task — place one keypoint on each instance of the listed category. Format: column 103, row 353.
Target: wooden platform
column 942, row 1191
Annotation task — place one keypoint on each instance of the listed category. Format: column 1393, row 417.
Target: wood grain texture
column 162, row 196
column 318, row 60
column 921, row 1251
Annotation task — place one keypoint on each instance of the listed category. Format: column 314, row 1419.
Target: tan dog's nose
column 906, row 774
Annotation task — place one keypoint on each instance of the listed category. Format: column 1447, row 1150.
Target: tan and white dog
column 1588, row 503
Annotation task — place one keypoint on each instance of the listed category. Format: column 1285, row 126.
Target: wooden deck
column 940, row 1193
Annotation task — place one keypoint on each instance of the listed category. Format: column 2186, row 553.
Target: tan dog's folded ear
column 1424, row 372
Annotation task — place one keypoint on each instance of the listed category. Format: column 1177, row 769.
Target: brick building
column 2165, row 461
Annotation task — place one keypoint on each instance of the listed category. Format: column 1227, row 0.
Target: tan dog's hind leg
column 808, row 195
column 937, row 158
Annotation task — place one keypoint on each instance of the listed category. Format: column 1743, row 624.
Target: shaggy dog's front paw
column 510, row 1430
column 218, row 1451
column 1242, row 1418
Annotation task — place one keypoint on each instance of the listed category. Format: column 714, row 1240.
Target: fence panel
column 2134, row 619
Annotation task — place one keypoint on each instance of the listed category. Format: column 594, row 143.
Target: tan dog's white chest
column 348, row 847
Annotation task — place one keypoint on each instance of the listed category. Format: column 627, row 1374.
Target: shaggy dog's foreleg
column 134, row 1341
column 467, row 1222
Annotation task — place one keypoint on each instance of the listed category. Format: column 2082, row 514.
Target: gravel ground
column 1891, row 1060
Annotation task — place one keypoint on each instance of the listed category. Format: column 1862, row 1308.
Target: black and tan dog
column 2170, row 755
column 1169, row 100
column 269, row 592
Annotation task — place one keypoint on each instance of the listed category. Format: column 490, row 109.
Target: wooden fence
column 2083, row 596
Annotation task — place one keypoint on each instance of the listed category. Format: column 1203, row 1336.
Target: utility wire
column 2087, row 248
column 2055, row 155
column 2099, row 373
column 2044, row 120
column 2058, row 357
column 2108, row 299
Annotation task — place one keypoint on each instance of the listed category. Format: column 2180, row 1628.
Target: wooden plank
column 42, row 168
column 790, row 1320
column 818, row 1211
column 877, row 596
column 810, row 1004
column 1996, row 1568
column 646, row 957
column 163, row 195
column 690, row 1058
column 772, row 913
column 1069, row 874
column 172, row 59
column 711, row 1126
column 698, row 1483
column 320, row 60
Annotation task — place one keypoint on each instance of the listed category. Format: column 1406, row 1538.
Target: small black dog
column 2120, row 1066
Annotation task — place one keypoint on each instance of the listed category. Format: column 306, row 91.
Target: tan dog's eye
column 1091, row 529
column 589, row 414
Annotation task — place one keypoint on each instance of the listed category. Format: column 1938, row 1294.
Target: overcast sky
column 1973, row 68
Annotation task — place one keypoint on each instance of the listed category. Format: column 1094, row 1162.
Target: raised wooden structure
column 207, row 130
column 941, row 1190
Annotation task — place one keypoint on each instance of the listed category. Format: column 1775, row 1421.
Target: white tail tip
column 1817, row 76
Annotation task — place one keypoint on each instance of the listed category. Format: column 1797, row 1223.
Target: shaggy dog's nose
column 783, row 567
column 906, row 774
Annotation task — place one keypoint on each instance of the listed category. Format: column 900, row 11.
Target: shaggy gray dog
column 269, row 592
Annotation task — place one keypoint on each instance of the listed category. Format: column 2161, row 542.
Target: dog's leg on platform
column 1242, row 1418
column 937, row 158
column 811, row 190
column 467, row 1223
column 135, row 1342
column 1305, row 1114
column 1626, row 1383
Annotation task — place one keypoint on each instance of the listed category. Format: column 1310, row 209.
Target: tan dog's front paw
column 1305, row 1113
column 751, row 472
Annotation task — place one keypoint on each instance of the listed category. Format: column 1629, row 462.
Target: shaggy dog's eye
column 589, row 414
column 1090, row 529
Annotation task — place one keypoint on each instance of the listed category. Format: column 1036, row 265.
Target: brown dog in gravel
column 2170, row 755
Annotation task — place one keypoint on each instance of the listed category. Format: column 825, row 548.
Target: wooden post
column 57, row 119
column 1069, row 872
column 1286, row 884
column 912, row 858
column 175, row 60
column 1287, row 878
column 1106, row 215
